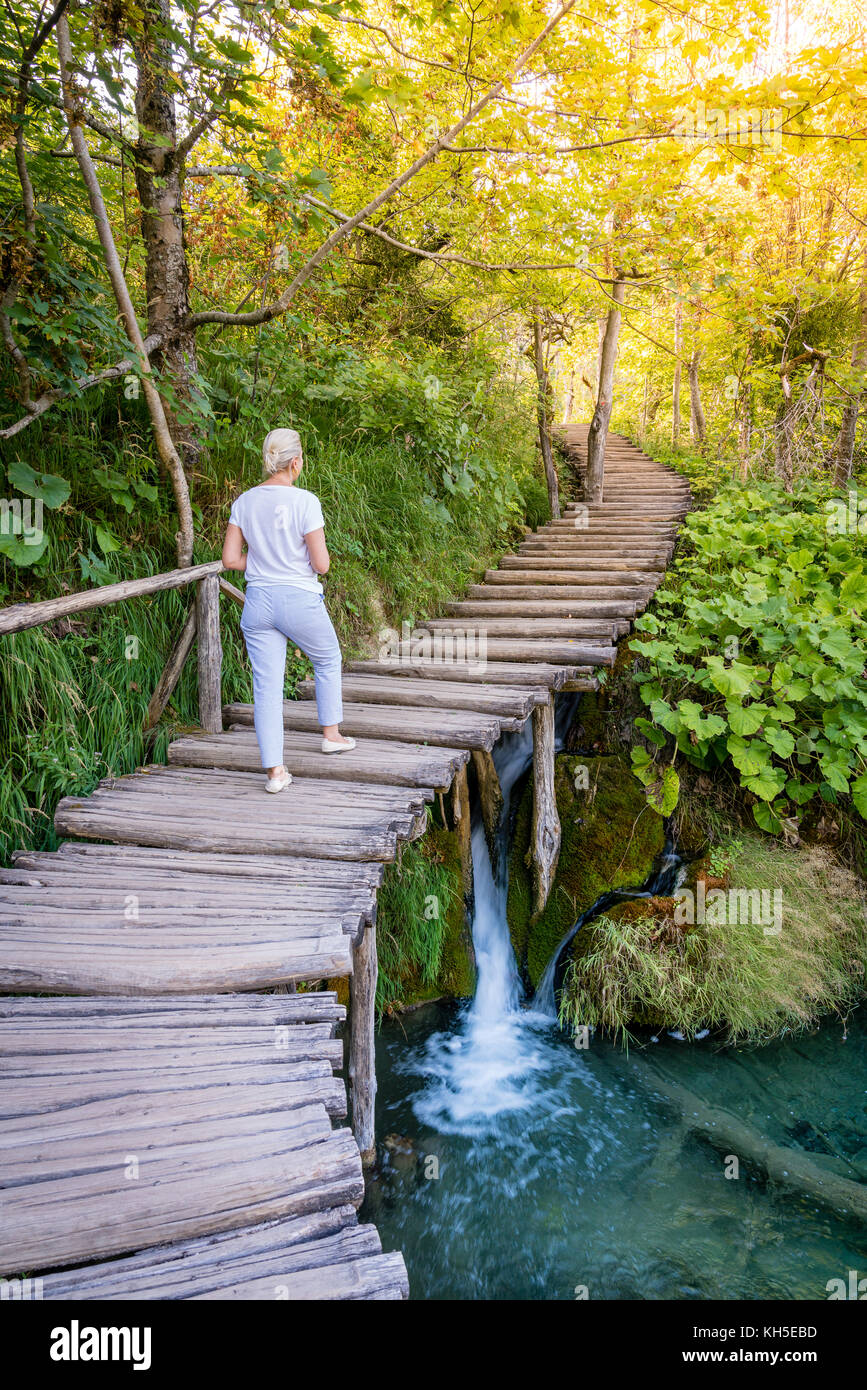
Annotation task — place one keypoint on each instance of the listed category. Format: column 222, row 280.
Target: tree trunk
column 783, row 430
column 848, row 425
column 543, row 405
column 675, row 393
column 570, row 398
column 165, row 444
column 697, row 427
column 745, row 410
column 159, row 182
column 598, row 432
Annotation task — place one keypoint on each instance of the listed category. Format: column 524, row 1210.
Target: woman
column 282, row 528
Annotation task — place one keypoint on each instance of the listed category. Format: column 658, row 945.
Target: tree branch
column 279, row 306
column 82, row 383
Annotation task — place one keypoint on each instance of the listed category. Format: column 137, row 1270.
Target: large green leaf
column 50, row 490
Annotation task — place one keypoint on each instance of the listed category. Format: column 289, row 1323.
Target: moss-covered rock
column 639, row 965
column 424, row 940
column 457, row 972
column 610, row 838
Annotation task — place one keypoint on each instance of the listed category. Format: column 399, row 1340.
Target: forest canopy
column 422, row 235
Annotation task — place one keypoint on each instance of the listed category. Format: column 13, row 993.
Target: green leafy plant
column 755, row 652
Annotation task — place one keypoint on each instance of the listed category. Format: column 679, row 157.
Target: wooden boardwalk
column 156, row 1115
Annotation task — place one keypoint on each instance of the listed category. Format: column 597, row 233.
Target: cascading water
column 488, row 1066
column 484, row 1068
column 524, row 1167
column 665, row 878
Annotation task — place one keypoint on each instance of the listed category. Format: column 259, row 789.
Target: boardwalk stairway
column 157, row 1116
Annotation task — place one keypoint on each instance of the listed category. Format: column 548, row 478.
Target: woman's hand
column 318, row 551
column 233, row 548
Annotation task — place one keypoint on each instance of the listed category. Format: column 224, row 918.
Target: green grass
column 72, row 705
column 414, row 904
column 638, row 967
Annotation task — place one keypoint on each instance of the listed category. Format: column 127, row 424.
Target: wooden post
column 210, row 654
column 546, row 821
column 461, row 823
column 490, row 797
column 362, row 1060
column 172, row 671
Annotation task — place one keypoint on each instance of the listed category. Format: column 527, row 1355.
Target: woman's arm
column 318, row 551
column 233, row 553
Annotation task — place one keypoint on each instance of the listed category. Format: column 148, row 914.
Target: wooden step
column 537, row 587
column 148, row 1124
column 565, row 628
column 207, row 809
column 595, row 568
column 537, row 573
column 503, row 700
column 373, row 760
column 495, row 672
column 323, row 1255
column 531, row 610
column 449, row 728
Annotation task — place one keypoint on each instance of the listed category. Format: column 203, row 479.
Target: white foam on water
column 493, row 1063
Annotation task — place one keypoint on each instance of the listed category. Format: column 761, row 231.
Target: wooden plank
column 269, row 1255
column 452, row 728
column 494, row 673
column 377, row 1277
column 539, row 575
column 61, row 1221
column 362, row 1053
column 218, row 1010
column 125, row 967
column 509, row 701
column 526, row 605
column 569, row 653
column 172, row 670
column 545, row 830
column 88, row 857
column 375, row 760
column 19, row 616
column 297, row 1082
column 176, row 1268
column 561, row 628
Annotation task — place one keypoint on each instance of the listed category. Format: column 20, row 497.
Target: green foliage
column 756, row 650
column 72, row 705
column 417, row 896
column 637, row 967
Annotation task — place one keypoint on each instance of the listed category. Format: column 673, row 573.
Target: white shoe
column 278, row 783
column 330, row 746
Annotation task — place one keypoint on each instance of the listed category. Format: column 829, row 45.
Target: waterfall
column 664, row 879
column 485, row 1067
column 488, row 1065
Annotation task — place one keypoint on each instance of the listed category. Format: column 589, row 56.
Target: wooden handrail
column 19, row 616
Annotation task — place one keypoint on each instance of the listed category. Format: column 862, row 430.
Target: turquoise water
column 566, row 1172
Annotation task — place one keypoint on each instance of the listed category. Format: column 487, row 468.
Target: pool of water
column 560, row 1170
column 517, row 1166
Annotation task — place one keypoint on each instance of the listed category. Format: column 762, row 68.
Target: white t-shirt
column 274, row 520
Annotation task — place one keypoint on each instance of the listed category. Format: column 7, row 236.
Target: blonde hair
column 280, row 447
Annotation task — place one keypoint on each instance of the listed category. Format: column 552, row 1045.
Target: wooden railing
column 203, row 620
